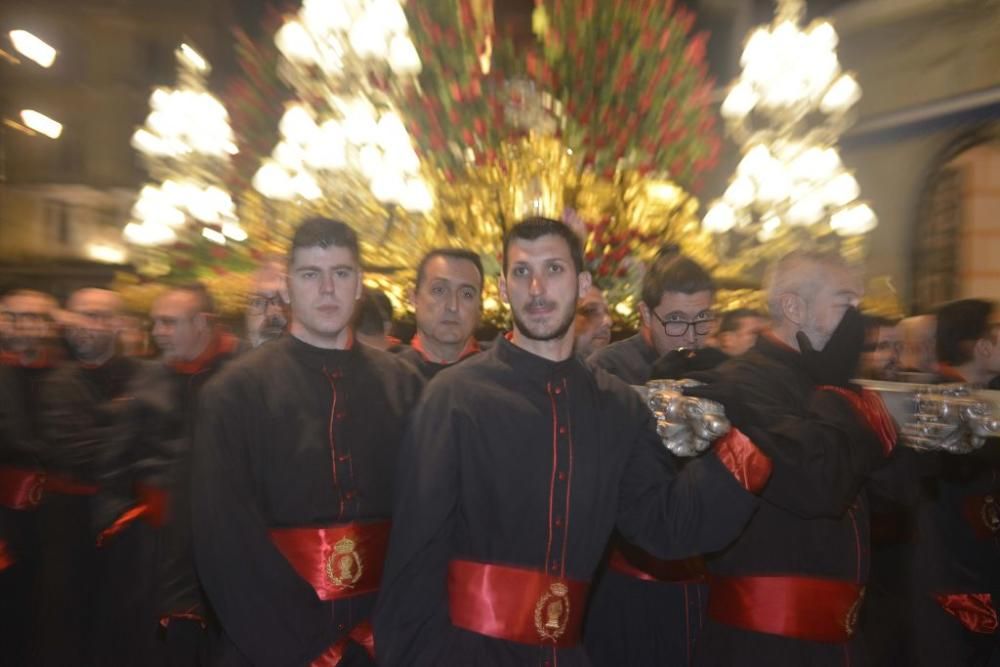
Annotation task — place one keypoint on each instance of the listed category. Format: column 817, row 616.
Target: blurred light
column 272, row 181
column 720, row 218
column 194, row 58
column 234, row 231
column 740, row 192
column 417, row 197
column 105, row 253
column 842, row 95
column 740, row 101
column 213, row 235
column 403, row 57
column 41, row 123
column 146, row 234
column 33, row 48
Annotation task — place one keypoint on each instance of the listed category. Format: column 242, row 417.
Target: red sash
column 516, row 604
column 813, row 609
column 340, row 561
column 22, row 489
column 642, row 565
column 975, row 611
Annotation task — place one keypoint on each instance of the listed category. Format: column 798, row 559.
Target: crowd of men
column 318, row 493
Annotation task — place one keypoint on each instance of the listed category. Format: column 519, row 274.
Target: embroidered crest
column 851, row 618
column 989, row 514
column 344, row 566
column 36, row 491
column 552, row 612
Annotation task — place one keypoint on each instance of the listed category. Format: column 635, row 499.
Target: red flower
column 621, row 272
column 695, row 51
column 603, row 270
column 456, row 92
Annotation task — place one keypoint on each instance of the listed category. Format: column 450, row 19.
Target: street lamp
column 33, row 48
column 41, row 123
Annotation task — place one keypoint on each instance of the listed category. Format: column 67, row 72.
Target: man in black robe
column 956, row 579
column 789, row 590
column 448, row 304
column 151, row 468
column 676, row 311
column 644, row 610
column 518, row 465
column 79, row 410
column 294, row 455
column 26, row 361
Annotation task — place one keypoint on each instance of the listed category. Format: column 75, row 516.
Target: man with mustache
column 25, row 363
column 518, row 464
column 789, row 590
column 294, row 455
column 448, row 303
column 81, row 404
column 266, row 311
column 593, row 323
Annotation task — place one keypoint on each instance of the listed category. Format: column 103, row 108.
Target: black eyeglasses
column 675, row 328
column 257, row 303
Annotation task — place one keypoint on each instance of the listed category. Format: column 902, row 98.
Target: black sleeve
column 71, row 427
column 676, row 515
column 411, row 620
column 16, row 441
column 266, row 608
column 821, row 454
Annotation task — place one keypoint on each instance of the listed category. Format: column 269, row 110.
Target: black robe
column 516, row 460
column 813, row 519
column 415, row 355
column 631, row 359
column 78, row 421
column 21, row 446
column 274, row 430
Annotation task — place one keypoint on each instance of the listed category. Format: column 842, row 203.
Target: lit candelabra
column 787, row 110
column 343, row 59
column 186, row 144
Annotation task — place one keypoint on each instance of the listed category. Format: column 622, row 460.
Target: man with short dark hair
column 676, row 312
column 738, row 330
column 447, row 304
column 956, row 599
column 593, row 323
column 518, row 464
column 373, row 321
column 880, row 360
column 294, row 455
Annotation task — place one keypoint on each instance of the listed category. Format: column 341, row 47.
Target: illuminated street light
column 33, row 48
column 41, row 123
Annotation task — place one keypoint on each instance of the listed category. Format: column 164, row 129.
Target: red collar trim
column 220, row 344
column 471, row 348
column 44, row 360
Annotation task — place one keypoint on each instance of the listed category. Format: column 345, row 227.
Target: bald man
column 25, row 362
column 80, row 418
column 788, row 591
column 267, row 310
column 194, row 348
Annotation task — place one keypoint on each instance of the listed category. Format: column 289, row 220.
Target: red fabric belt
column 339, row 561
column 361, row 634
column 516, row 604
column 818, row 610
column 6, row 557
column 641, row 565
column 23, row 489
column 975, row 611
column 982, row 513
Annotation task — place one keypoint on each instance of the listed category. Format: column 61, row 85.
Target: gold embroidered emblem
column 36, row 491
column 552, row 612
column 344, row 566
column 851, row 619
column 989, row 514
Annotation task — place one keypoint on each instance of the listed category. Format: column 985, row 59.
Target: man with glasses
column 676, row 312
column 25, row 363
column 80, row 409
column 267, row 310
column 648, row 611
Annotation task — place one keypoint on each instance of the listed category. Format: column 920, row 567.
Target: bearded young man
column 518, row 465
column 294, row 456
